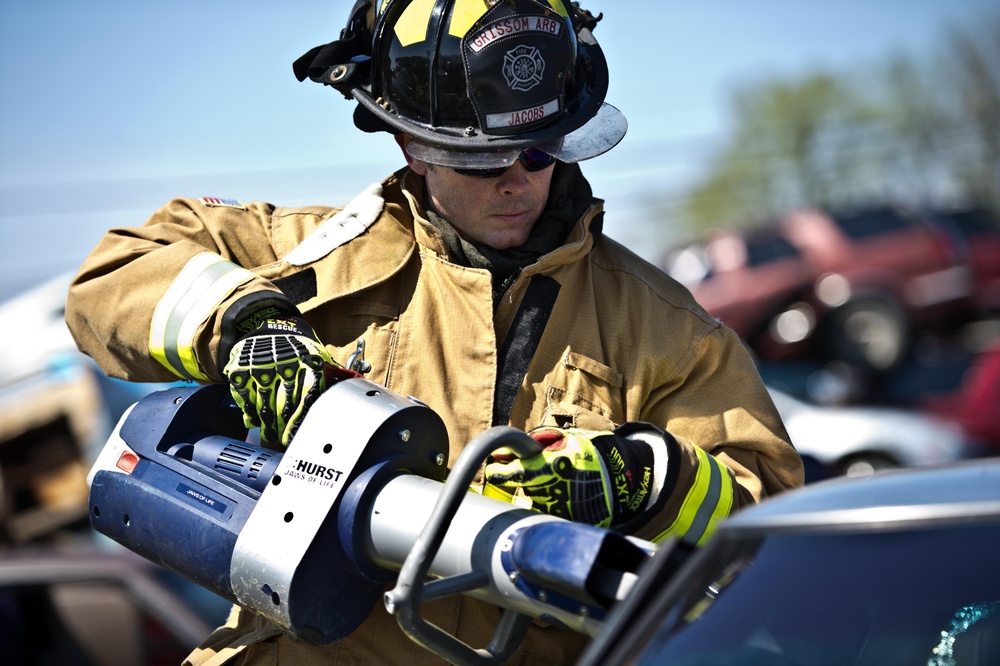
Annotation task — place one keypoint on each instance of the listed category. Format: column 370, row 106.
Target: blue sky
column 113, row 107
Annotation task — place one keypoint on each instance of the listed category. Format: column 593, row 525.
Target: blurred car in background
column 975, row 235
column 56, row 411
column 94, row 607
column 881, row 273
column 746, row 278
column 899, row 568
column 858, row 440
column 65, row 598
column 50, row 415
column 851, row 287
column 975, row 404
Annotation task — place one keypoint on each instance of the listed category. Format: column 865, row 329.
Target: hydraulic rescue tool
column 356, row 509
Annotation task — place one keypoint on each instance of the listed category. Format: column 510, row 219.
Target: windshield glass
column 929, row 597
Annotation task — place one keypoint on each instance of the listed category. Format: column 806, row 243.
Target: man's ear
column 416, row 166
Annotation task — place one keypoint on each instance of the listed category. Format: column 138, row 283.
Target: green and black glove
column 276, row 371
column 594, row 477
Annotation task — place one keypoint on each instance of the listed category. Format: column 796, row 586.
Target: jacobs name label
column 522, row 116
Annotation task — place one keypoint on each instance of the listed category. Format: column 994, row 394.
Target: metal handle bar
column 412, row 588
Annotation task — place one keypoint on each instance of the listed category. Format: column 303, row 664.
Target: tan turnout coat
column 623, row 342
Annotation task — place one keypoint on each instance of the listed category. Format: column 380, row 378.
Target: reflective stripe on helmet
column 708, row 501
column 204, row 282
column 411, row 28
column 467, row 12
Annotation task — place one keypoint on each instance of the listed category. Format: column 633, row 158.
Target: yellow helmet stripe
column 465, row 13
column 559, row 8
column 709, row 500
column 411, row 27
column 205, row 281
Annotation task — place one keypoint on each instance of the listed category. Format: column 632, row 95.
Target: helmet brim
column 597, row 136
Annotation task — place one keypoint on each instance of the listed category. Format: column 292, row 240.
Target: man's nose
column 514, row 179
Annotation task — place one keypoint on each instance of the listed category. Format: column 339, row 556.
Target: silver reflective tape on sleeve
column 346, row 225
column 205, row 281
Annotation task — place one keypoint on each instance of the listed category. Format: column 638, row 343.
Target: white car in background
column 57, row 410
column 858, row 440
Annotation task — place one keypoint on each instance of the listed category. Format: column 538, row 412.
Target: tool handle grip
column 405, row 599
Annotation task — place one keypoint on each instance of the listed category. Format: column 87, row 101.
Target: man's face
column 499, row 212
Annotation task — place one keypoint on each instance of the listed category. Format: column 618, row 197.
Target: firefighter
column 476, row 278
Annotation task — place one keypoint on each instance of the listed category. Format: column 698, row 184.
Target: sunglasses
column 532, row 159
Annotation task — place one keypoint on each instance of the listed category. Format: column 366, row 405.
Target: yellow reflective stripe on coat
column 708, row 501
column 204, row 282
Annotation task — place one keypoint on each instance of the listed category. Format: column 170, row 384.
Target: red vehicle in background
column 881, row 275
column 745, row 278
column 975, row 234
column 853, row 287
column 975, row 404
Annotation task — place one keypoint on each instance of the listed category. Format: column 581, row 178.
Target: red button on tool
column 127, row 461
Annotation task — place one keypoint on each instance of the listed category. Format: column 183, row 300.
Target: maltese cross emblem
column 523, row 67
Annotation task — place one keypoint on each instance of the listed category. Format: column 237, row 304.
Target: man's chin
column 507, row 242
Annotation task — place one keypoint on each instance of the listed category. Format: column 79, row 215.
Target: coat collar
column 390, row 223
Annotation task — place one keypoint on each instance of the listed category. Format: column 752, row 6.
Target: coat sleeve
column 726, row 445
column 147, row 304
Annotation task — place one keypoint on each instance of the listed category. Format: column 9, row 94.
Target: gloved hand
column 593, row 477
column 276, row 371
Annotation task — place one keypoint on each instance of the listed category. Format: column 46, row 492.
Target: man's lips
column 516, row 215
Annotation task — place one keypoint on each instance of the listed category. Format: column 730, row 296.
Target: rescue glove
column 275, row 372
column 595, row 477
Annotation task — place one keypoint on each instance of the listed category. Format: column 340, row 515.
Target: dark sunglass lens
column 534, row 159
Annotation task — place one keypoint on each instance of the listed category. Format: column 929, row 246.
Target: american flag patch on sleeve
column 214, row 201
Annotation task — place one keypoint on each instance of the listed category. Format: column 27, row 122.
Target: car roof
column 896, row 499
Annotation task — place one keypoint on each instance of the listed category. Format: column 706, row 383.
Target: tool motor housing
column 179, row 484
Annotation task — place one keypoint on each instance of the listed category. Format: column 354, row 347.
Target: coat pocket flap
column 597, row 370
